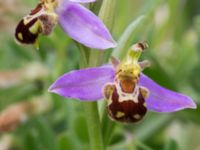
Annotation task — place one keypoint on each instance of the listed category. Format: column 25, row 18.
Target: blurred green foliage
column 172, row 29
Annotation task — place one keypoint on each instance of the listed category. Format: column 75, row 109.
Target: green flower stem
column 92, row 114
column 108, row 127
column 95, row 7
column 107, row 13
column 83, row 53
column 91, row 108
column 124, row 41
column 94, row 126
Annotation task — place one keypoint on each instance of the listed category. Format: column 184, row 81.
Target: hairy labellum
column 42, row 20
column 126, row 108
column 126, row 100
column 23, row 34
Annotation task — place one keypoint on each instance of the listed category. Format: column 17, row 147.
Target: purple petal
column 84, row 84
column 84, row 26
column 83, row 1
column 164, row 100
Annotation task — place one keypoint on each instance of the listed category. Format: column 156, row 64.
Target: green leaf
column 80, row 128
column 171, row 145
column 123, row 42
column 151, row 125
column 46, row 134
column 31, row 141
column 64, row 142
column 37, row 135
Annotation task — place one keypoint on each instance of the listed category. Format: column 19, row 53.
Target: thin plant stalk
column 91, row 108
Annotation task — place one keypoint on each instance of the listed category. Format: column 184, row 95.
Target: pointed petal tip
column 55, row 90
column 166, row 109
column 188, row 104
column 163, row 100
column 111, row 44
column 50, row 89
column 114, row 44
column 192, row 105
column 85, row 84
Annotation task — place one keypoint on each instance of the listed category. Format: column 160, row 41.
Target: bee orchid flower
column 76, row 20
column 129, row 93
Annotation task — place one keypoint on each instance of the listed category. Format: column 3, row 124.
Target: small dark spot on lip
column 128, row 107
column 143, row 45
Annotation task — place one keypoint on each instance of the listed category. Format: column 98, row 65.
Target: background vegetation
column 44, row 121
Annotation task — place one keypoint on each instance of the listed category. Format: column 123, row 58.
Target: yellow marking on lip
column 144, row 91
column 34, row 29
column 145, row 104
column 109, row 102
column 20, row 36
column 120, row 114
column 107, row 92
column 136, row 116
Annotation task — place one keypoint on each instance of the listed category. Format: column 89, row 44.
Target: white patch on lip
column 136, row 116
column 127, row 96
column 145, row 104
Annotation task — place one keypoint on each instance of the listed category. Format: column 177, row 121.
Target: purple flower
column 129, row 92
column 76, row 20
